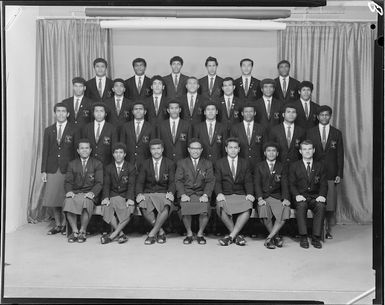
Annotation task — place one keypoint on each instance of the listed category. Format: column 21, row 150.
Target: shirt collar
column 192, row 94
column 208, row 122
column 158, row 95
column 228, row 97
column 103, row 78
column 119, row 97
column 141, row 76
column 78, row 97
column 305, row 162
column 81, row 160
column 209, row 77
column 101, row 123
column 321, row 126
column 192, row 160
column 269, row 162
column 176, row 120
column 121, row 165
column 231, row 159
column 284, row 77
column 173, row 74
column 159, row 161
column 63, row 125
column 265, row 98
column 285, row 124
column 304, row 101
column 138, row 121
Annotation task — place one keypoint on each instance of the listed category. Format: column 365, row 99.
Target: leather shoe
column 328, row 235
column 188, row 240
column 304, row 243
column 269, row 244
column 316, row 243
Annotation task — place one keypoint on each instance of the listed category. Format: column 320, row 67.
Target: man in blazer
column 288, row 135
column 194, row 181
column 118, row 204
column 119, row 106
column 234, row 191
column 176, row 81
column 211, row 133
column 78, row 105
column 83, row 183
column 251, row 136
column 307, row 110
column 229, row 106
column 99, row 88
column 210, row 85
column 246, row 86
column 139, row 85
column 268, row 108
column 272, row 192
column 286, row 87
column 309, row 187
column 137, row 135
column 175, row 133
column 155, row 189
column 329, row 149
column 101, row 134
column 58, row 150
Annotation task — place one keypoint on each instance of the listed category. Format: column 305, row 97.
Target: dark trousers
column 318, row 209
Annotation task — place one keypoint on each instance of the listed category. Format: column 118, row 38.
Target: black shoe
column 105, row 239
column 122, row 239
column 73, row 237
column 82, row 237
column 304, row 243
column 240, row 240
column 269, row 244
column 161, row 239
column 316, row 243
column 54, row 230
column 278, row 241
column 328, row 235
column 188, row 240
column 201, row 240
column 150, row 240
column 225, row 241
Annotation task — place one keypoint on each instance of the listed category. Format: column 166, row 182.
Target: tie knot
column 308, row 163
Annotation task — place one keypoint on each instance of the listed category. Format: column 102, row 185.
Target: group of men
column 178, row 143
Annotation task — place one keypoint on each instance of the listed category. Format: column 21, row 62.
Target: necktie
column 156, row 105
column 137, row 131
column 271, row 168
column 248, row 133
column 233, row 168
column 211, row 132
column 77, row 107
column 211, row 85
column 97, row 133
column 195, row 164
column 156, row 171
column 284, row 87
column 192, row 105
column 324, row 137
column 228, row 107
column 59, row 134
column 173, row 132
column 176, row 82
column 246, row 86
column 308, row 170
column 84, row 164
column 288, row 136
column 268, row 108
column 306, row 110
column 119, row 168
column 118, row 106
column 139, row 84
column 100, row 87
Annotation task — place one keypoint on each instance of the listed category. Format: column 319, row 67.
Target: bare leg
column 203, row 220
column 227, row 220
column 187, row 223
column 62, row 218
column 72, row 221
column 84, row 220
column 239, row 224
column 268, row 224
column 57, row 216
column 277, row 226
column 160, row 219
column 119, row 228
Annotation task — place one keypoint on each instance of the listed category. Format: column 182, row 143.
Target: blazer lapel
column 178, row 130
column 141, row 132
column 238, row 169
column 229, row 169
column 64, row 133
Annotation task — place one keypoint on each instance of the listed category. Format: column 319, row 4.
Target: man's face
column 248, row 114
column 195, row 150
column 268, row 90
column 100, row 69
column 84, row 150
column 211, row 112
column 211, row 67
column 246, row 67
column 99, row 113
column 157, row 86
column 139, row 68
column 284, row 69
column 176, row 66
column 232, row 149
column 119, row 155
column 305, row 93
column 174, row 110
column 228, row 87
column 156, row 151
column 271, row 153
column 61, row 114
column 290, row 115
column 119, row 89
column 138, row 111
column 324, row 117
column 78, row 89
column 307, row 151
column 192, row 85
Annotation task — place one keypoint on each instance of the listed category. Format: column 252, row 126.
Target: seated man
column 83, row 183
column 195, row 180
column 155, row 190
column 234, row 189
column 272, row 192
column 118, row 194
column 309, row 187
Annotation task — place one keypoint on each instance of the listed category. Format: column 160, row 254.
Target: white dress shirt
column 208, row 125
column 137, row 79
column 230, row 160
column 209, row 77
column 189, row 95
column 303, row 105
column 96, row 124
column 176, row 124
column 286, row 125
column 269, row 163
column 265, row 99
column 305, row 162
column 281, row 78
column 141, row 122
column 63, row 126
column 244, row 80
column 159, row 163
column 327, row 129
column 245, row 124
column 103, row 78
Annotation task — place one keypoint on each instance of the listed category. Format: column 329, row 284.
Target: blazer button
column 58, row 156
column 308, row 188
column 136, row 154
column 271, row 187
column 119, row 187
column 59, row 147
column 173, row 155
column 136, row 146
column 96, row 155
column 287, row 159
column 96, row 146
column 76, row 122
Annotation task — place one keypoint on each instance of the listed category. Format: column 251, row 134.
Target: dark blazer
column 58, row 155
column 275, row 113
column 119, row 185
column 125, row 114
column 197, row 115
column 84, row 114
column 101, row 150
column 93, row 93
column 286, row 155
column 301, row 120
column 254, row 92
column 235, row 112
column 189, row 181
column 146, row 182
column 333, row 155
column 178, row 150
column 91, row 181
column 132, row 91
column 170, row 88
column 253, row 152
column 224, row 182
column 151, row 116
column 214, row 150
column 204, row 88
column 137, row 151
column 312, row 187
column 291, row 90
column 274, row 185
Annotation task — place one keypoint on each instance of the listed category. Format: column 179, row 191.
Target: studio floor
column 38, row 265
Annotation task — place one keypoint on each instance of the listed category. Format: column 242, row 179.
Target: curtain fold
column 65, row 49
column 338, row 58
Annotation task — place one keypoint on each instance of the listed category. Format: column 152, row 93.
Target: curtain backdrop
column 338, row 58
column 65, row 49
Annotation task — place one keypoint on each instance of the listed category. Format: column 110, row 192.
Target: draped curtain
column 338, row 58
column 65, row 49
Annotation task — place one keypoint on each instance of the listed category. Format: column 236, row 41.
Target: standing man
column 309, row 187
column 195, row 181
column 192, row 103
column 155, row 190
column 138, row 86
column 234, row 189
column 99, row 88
column 246, row 86
column 58, row 150
column 286, row 87
column 176, row 81
column 329, row 149
column 210, row 85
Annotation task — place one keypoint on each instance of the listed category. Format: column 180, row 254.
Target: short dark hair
column 176, row 58
column 97, row 60
column 288, row 105
column 119, row 145
column 99, row 104
column 232, row 139
column 325, row 108
column 248, row 104
column 57, row 105
column 210, row 103
column 267, row 81
column 139, row 60
column 78, row 80
column 307, row 142
column 227, row 79
column 246, row 59
column 120, row 80
column 192, row 77
column 194, row 140
column 284, row 61
column 157, row 77
column 210, row 58
column 271, row 144
column 83, row 140
column 173, row 101
column 307, row 84
column 138, row 102
column 156, row 142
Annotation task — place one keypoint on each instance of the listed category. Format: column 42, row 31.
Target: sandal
column 161, row 239
column 105, row 239
column 122, row 239
column 225, row 241
column 269, row 244
column 82, row 237
column 201, row 240
column 73, row 237
column 188, row 240
column 150, row 240
column 63, row 230
column 278, row 240
column 54, row 230
column 240, row 240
